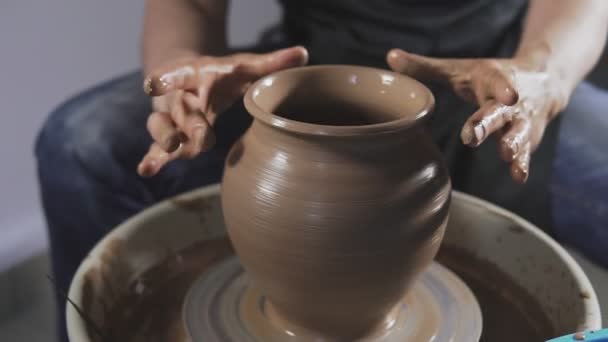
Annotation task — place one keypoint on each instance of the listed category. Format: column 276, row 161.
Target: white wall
column 48, row 51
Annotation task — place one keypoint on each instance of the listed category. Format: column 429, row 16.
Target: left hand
column 517, row 98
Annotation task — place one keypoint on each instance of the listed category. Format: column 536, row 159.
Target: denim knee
column 579, row 187
column 105, row 122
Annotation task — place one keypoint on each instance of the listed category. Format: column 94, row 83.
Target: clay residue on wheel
column 517, row 229
column 196, row 204
column 509, row 312
column 148, row 308
column 102, row 285
column 199, row 206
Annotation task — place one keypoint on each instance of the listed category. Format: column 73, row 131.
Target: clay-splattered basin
column 519, row 249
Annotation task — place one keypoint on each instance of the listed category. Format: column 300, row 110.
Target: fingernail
column 520, row 174
column 466, row 135
column 304, row 56
column 147, row 168
column 154, row 86
column 513, row 95
column 140, row 169
column 393, row 54
column 395, row 60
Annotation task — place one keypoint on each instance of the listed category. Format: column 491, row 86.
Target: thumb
column 422, row 68
column 278, row 60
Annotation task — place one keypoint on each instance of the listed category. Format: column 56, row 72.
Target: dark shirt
column 362, row 31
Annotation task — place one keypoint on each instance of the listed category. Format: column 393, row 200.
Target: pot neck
column 369, row 142
column 339, row 101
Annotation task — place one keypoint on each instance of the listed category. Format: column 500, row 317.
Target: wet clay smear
column 150, row 310
column 509, row 312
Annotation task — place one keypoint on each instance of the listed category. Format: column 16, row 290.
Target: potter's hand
column 517, row 98
column 190, row 93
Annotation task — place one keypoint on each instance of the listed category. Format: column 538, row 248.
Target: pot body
column 334, row 228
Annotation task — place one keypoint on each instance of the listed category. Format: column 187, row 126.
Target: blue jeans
column 89, row 148
column 579, row 186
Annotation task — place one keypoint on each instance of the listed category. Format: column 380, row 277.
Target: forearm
column 565, row 37
column 175, row 29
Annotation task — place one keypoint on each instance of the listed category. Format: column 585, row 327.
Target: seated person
column 510, row 70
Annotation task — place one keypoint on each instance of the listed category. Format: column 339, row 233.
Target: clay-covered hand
column 191, row 92
column 517, row 98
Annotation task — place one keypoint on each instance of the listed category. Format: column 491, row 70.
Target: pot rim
column 295, row 126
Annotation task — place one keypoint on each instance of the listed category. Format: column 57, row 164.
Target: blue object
column 587, row 336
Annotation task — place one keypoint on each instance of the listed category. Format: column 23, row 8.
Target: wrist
column 538, row 58
column 534, row 57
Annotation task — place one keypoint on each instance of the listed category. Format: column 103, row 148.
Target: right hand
column 190, row 93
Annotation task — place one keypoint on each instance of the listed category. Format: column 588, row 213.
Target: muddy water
column 509, row 312
column 150, row 310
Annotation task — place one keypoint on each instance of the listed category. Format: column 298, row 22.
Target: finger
column 421, row 67
column 520, row 168
column 515, row 139
column 192, row 102
column 214, row 96
column 192, row 122
column 201, row 137
column 491, row 117
column 496, row 84
column 499, row 136
column 163, row 131
column 204, row 91
column 192, row 149
column 166, row 80
column 179, row 111
column 154, row 160
column 211, row 115
column 265, row 64
column 217, row 97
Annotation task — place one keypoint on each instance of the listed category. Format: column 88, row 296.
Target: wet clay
column 150, row 307
column 336, row 197
column 509, row 312
column 222, row 306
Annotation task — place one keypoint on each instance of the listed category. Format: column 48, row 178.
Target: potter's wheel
column 220, row 306
column 552, row 295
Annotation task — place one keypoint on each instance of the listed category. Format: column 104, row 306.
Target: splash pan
column 149, row 280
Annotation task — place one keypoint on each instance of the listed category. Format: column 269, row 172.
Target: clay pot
column 335, row 198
